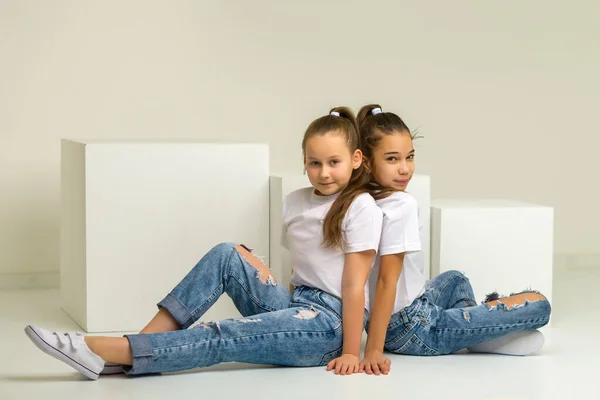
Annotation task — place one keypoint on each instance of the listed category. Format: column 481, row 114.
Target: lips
column 402, row 181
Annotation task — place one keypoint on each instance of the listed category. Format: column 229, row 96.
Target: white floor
column 566, row 368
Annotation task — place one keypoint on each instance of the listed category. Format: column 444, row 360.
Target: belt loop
column 404, row 316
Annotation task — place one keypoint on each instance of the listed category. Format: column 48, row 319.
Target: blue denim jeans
column 303, row 328
column 446, row 319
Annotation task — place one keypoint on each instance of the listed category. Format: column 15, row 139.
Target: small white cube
column 501, row 245
column 137, row 216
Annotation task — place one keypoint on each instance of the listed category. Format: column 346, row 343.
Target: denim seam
column 326, row 306
column 330, row 356
column 141, row 351
column 402, row 334
column 409, row 342
column 492, row 327
column 176, row 307
column 262, row 335
column 415, row 339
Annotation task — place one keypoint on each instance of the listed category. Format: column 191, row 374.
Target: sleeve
column 400, row 230
column 362, row 225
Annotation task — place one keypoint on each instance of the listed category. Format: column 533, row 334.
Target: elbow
column 353, row 290
column 387, row 281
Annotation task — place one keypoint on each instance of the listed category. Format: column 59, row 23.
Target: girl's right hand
column 346, row 364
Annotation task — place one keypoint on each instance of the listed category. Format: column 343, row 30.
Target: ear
column 357, row 159
column 303, row 165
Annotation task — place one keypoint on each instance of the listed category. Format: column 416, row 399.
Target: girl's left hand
column 346, row 364
column 376, row 363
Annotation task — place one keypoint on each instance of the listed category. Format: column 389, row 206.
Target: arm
column 356, row 271
column 354, row 278
column 362, row 231
column 385, row 294
column 399, row 236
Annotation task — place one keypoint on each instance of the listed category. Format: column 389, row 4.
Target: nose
column 403, row 168
column 324, row 172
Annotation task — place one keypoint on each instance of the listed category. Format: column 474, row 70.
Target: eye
column 392, row 158
column 314, row 163
column 334, row 162
column 411, row 157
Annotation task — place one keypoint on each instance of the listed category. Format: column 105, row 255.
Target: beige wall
column 506, row 93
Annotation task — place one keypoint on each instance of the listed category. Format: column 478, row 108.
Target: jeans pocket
column 417, row 347
column 331, row 303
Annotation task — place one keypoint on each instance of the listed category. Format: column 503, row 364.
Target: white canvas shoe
column 112, row 369
column 68, row 347
column 519, row 343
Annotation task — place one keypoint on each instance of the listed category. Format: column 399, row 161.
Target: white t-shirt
column 313, row 264
column 401, row 233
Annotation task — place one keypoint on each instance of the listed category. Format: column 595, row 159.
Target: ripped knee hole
column 516, row 301
column 263, row 272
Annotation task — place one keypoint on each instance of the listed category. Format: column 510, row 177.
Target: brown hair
column 372, row 128
column 347, row 125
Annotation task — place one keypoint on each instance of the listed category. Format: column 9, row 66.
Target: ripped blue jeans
column 446, row 319
column 303, row 328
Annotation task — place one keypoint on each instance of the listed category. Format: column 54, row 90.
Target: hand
column 376, row 363
column 346, row 364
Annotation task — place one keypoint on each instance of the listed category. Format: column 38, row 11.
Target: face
column 329, row 163
column 394, row 161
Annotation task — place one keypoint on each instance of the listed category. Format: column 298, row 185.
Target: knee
column 542, row 307
column 225, row 247
column 222, row 251
column 530, row 296
column 521, row 299
column 453, row 274
column 537, row 297
column 264, row 273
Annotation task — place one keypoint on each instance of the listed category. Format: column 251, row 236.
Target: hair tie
column 334, row 113
column 376, row 111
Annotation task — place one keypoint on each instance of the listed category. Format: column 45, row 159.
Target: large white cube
column 136, row 217
column 420, row 188
column 500, row 245
column 283, row 184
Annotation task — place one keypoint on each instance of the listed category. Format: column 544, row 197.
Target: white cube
column 420, row 188
column 283, row 184
column 136, row 217
column 501, row 245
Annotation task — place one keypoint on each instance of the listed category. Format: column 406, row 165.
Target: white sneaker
column 68, row 347
column 112, row 369
column 519, row 343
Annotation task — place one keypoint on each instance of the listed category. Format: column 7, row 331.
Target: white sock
column 519, row 343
